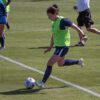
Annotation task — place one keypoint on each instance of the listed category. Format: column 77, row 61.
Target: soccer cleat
column 79, row 44
column 81, row 63
column 1, row 48
column 40, row 84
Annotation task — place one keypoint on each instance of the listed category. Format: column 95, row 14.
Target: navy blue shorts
column 61, row 51
column 84, row 18
column 3, row 20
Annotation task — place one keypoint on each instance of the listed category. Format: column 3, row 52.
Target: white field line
column 22, row 31
column 53, row 77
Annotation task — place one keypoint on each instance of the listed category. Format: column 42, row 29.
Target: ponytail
column 53, row 9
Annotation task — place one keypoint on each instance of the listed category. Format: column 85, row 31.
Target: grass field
column 25, row 42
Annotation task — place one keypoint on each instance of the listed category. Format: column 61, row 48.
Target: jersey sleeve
column 65, row 23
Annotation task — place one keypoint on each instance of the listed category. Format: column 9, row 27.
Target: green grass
column 25, row 44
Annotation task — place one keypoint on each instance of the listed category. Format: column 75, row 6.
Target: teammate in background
column 6, row 3
column 61, row 39
column 84, row 18
column 2, row 23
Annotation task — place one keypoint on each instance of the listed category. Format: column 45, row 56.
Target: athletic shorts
column 61, row 51
column 84, row 18
column 3, row 20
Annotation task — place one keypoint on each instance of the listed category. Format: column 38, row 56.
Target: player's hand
column 47, row 50
column 75, row 7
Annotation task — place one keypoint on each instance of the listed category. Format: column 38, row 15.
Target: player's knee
column 1, row 34
column 50, row 63
column 88, row 29
column 60, row 64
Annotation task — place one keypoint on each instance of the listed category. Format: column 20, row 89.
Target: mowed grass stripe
column 38, row 30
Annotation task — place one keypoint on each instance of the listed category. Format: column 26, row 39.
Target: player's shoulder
column 66, row 22
column 65, row 19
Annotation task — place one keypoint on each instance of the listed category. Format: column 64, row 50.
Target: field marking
column 38, row 30
column 53, row 77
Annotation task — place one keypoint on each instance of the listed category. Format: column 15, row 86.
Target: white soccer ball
column 29, row 83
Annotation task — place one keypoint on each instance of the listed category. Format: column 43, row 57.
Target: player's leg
column 81, row 42
column 80, row 24
column 1, row 36
column 50, row 63
column 93, row 30
column 48, row 70
column 67, row 62
column 2, row 23
column 55, row 58
column 88, row 22
column 7, row 24
column 58, row 57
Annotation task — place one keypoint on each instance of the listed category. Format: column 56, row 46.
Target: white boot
column 81, row 63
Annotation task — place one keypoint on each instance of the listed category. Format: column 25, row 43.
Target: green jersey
column 8, row 7
column 61, row 37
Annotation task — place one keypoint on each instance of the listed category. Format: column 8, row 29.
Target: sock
column 8, row 26
column 2, row 41
column 47, row 73
column 70, row 62
column 4, row 34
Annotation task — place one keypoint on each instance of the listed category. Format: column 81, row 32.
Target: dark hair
column 56, row 6
column 53, row 9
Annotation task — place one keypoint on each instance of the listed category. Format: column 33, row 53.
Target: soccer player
column 84, row 18
column 2, row 23
column 6, row 3
column 61, row 39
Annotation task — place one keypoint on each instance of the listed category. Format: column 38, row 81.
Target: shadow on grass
column 45, row 47
column 56, row 87
column 27, row 91
column 20, row 91
column 39, row 47
column 97, row 45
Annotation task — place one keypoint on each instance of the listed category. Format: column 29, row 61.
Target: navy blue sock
column 70, row 62
column 47, row 73
column 2, row 41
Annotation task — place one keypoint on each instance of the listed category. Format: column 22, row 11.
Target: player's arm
column 66, row 22
column 51, row 45
column 9, row 1
column 83, row 36
column 52, row 42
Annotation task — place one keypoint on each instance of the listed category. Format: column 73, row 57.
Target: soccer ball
column 29, row 83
